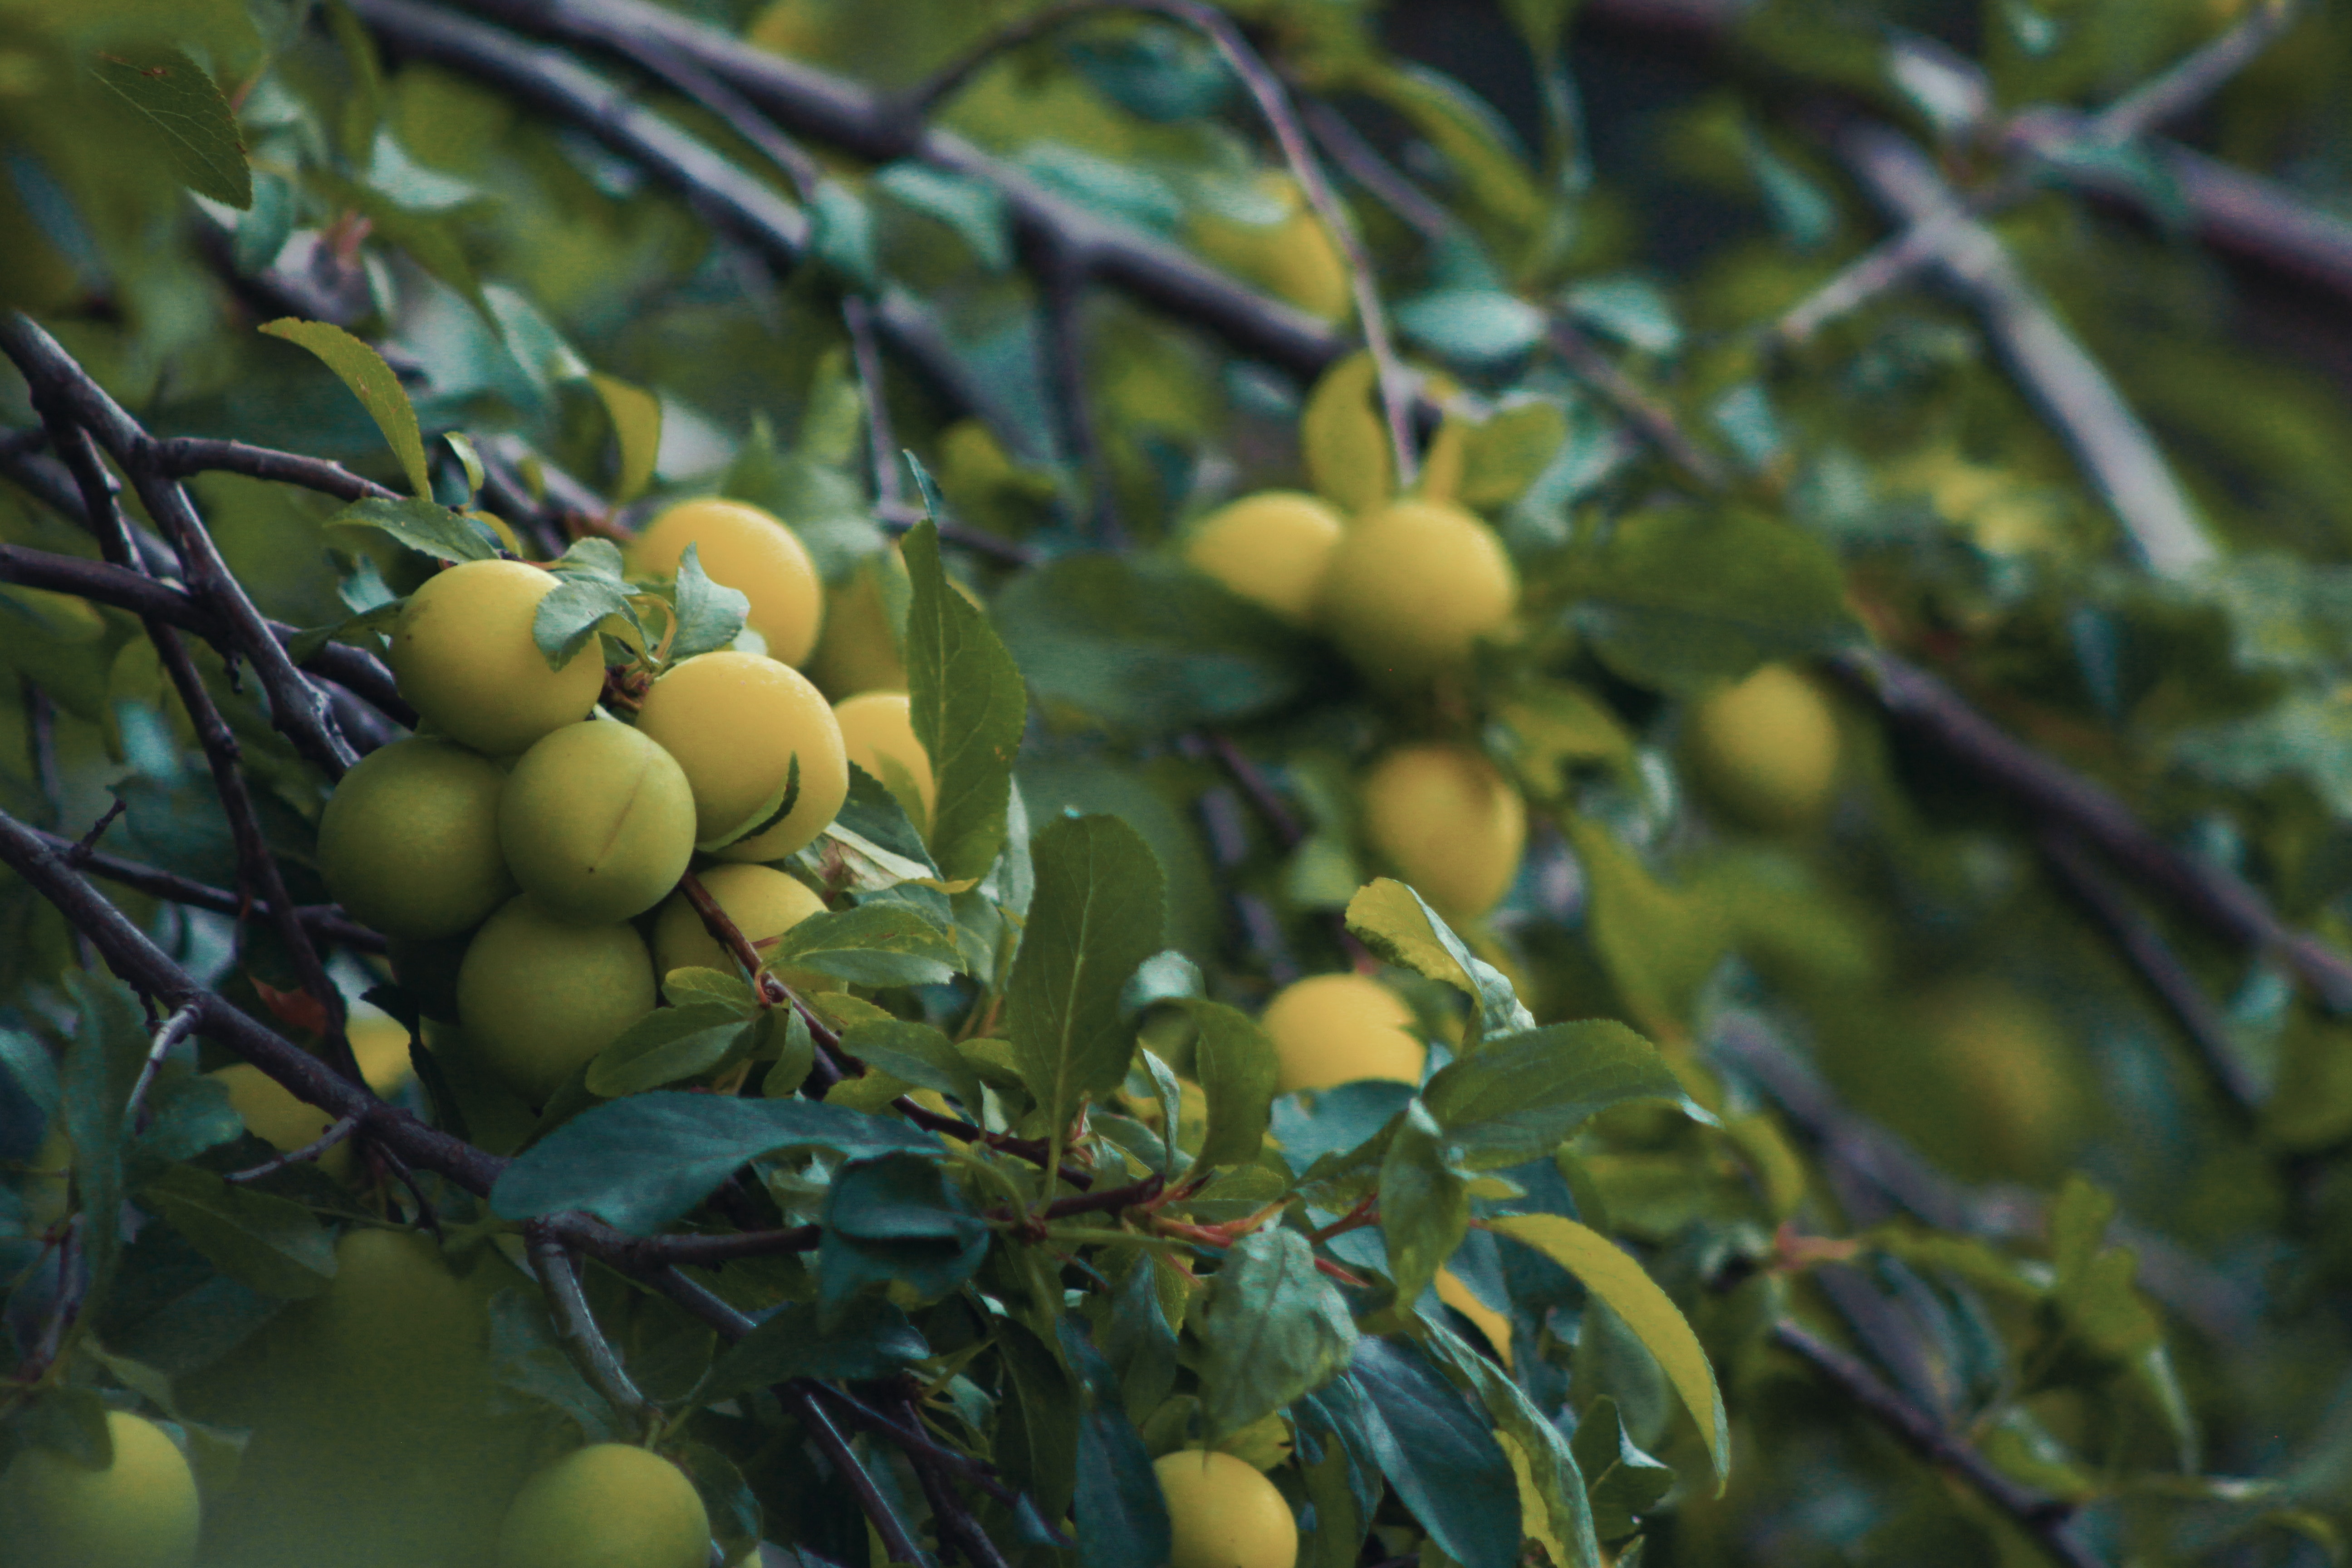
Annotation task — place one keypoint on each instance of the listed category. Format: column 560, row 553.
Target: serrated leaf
column 968, row 706
column 637, row 416
column 1235, row 1067
column 171, row 95
column 710, row 615
column 916, row 1053
column 643, row 1161
column 1398, row 925
column 271, row 1244
column 1618, row 1280
column 379, row 391
column 666, row 1045
column 1524, row 1095
column 592, row 557
column 1272, row 1328
column 1424, row 1202
column 1098, row 911
column 877, row 943
column 569, row 618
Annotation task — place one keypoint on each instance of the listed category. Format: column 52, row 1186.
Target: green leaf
column 1120, row 1512
column 570, row 618
column 666, row 1045
column 1097, row 913
column 876, row 943
column 1140, row 1342
column 876, row 1343
column 1770, row 592
column 710, row 615
column 1469, row 134
column 969, row 709
column 372, row 383
column 429, row 239
column 1614, row 1277
column 1399, row 926
column 973, row 208
column 171, row 96
column 1038, row 1438
column 188, row 1113
column 795, row 1055
column 917, row 1053
column 1621, row 1483
column 529, row 1369
column 1234, row 1064
column 644, row 1161
column 1522, row 1096
column 2094, row 1291
column 110, row 1046
column 1550, row 1481
column 271, row 1244
column 1437, row 1450
column 1272, row 1328
column 1424, row 1202
column 1478, row 326
column 895, row 1220
column 1503, row 456
column 637, row 416
column 684, row 986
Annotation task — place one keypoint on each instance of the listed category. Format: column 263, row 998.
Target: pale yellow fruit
column 1271, row 549
column 608, row 1505
column 754, row 737
column 1449, row 822
column 597, row 822
column 140, row 1511
column 380, row 1042
column 538, row 996
column 273, row 1114
column 409, row 841
column 751, row 551
column 1412, row 587
column 763, row 901
column 1292, row 257
column 1765, row 751
column 394, row 1314
column 1222, row 1513
column 1495, row 1327
column 1330, row 1029
column 2004, row 1056
column 876, row 725
column 858, row 649
column 465, row 659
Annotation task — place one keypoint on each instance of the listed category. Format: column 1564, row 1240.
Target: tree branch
column 575, row 1327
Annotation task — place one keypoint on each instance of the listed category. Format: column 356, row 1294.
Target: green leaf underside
column 569, row 619
column 173, row 96
column 969, row 708
column 874, row 945
column 372, row 383
column 426, row 527
column 777, row 808
column 1523, row 1096
column 1273, row 1329
column 710, row 615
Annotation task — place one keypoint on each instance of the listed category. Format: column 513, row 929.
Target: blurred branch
column 1653, row 420
column 1061, row 297
column 324, row 922
column 881, row 446
column 2041, row 1517
column 2196, row 77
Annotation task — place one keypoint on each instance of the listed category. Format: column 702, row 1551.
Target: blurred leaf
column 969, row 709
column 370, row 380
column 1503, row 455
column 1480, row 327
column 1271, row 1329
column 1121, row 1513
column 1344, row 437
column 971, row 207
column 271, row 1244
column 637, row 416
column 1159, row 73
column 171, row 97
column 1631, row 310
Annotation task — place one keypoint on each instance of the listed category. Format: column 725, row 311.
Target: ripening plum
column 597, row 822
column 1292, row 257
column 751, row 552
column 1224, row 1513
column 380, row 1044
column 538, row 996
column 1412, row 586
column 409, row 841
column 879, row 727
column 1765, row 751
column 1449, row 822
column 761, row 748
column 763, row 901
column 464, row 656
column 272, row 1113
column 1330, row 1029
column 140, row 1511
column 608, row 1505
column 1271, row 549
column 858, row 648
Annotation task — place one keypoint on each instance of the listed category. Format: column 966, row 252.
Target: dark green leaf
column 110, row 1047
column 1273, row 1328
column 1140, row 1343
column 643, row 1161
column 271, row 1244
column 1038, row 1439
column 666, row 1045
column 1522, row 1096
column 1424, row 1202
column 1234, row 1065
column 895, row 1219
column 795, row 1055
column 189, row 1113
column 791, row 1342
column 1097, row 913
column 425, row 526
column 916, row 1053
column 1122, row 1516
column 379, row 391
column 189, row 120
column 1621, row 1483
column 1437, row 1450
column 967, row 707
column 710, row 615
column 1503, row 456
column 727, row 1500
column 873, row 944
column 529, row 1369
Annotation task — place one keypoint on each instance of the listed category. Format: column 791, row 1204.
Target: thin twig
column 2196, row 77
column 326, row 921
column 897, row 1539
column 337, row 1131
column 1362, row 163
column 174, row 1029
column 1651, row 418
column 584, row 1342
column 881, row 446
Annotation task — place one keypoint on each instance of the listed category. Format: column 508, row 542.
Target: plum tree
column 409, row 841
column 763, row 901
column 761, row 748
column 1765, row 751
column 537, row 996
column 597, row 822
column 1272, row 549
column 1449, row 822
column 463, row 653
column 1224, row 1513
column 877, row 731
column 1412, row 588
column 1330, row 1029
column 272, row 1113
column 138, row 1510
column 748, row 550
column 608, row 1505
column 1290, row 255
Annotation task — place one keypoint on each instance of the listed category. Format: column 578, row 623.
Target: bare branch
column 176, row 1028
column 2195, row 77
column 1653, row 421
column 575, row 1328
column 336, row 1132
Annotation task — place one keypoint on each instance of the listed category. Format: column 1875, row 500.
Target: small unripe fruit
column 380, row 1044
column 1449, row 822
column 140, row 1511
column 465, row 659
column 608, row 1505
column 1330, row 1029
column 1412, row 586
column 1222, row 1513
column 597, row 822
column 751, row 551
column 409, row 841
column 763, row 901
column 538, row 996
column 879, row 724
column 1271, row 549
column 1292, row 257
column 273, row 1114
column 1765, row 751
column 739, row 725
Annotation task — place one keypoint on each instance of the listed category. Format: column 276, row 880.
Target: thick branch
column 575, row 1327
